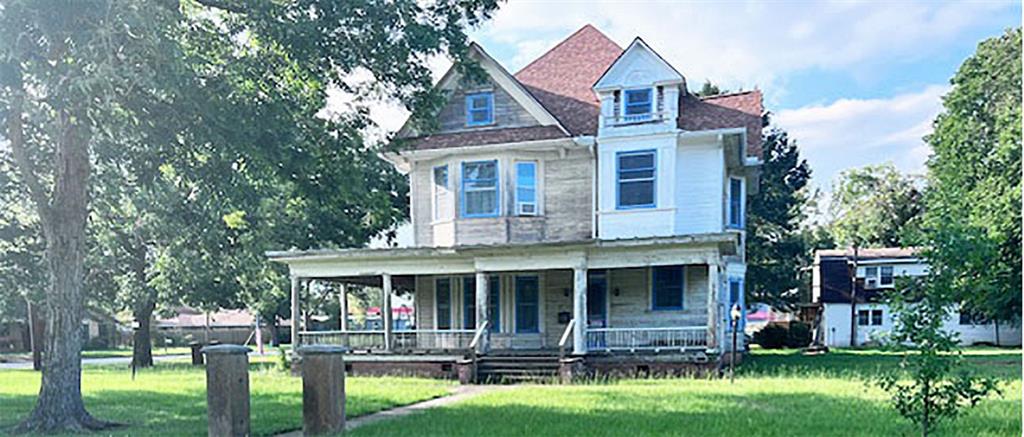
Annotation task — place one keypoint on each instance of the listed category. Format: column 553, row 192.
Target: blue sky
column 855, row 83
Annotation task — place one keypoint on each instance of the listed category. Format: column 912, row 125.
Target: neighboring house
column 586, row 203
column 186, row 324
column 877, row 271
column 763, row 315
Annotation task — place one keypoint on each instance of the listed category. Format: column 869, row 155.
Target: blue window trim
column 497, row 190
column 515, row 287
column 490, row 109
column 742, row 213
column 654, row 291
column 641, row 116
column 654, row 179
column 536, row 201
column 437, row 304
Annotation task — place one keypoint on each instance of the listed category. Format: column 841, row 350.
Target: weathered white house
column 586, row 204
column 878, row 271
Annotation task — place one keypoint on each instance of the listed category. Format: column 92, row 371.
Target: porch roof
column 590, row 253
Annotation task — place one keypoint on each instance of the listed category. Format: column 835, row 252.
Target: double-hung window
column 480, row 109
column 735, row 202
column 878, row 276
column 637, row 105
column 443, row 302
column 440, row 191
column 526, row 188
column 667, row 288
column 480, row 189
column 885, row 276
column 468, row 302
column 636, row 174
column 869, row 317
column 527, row 304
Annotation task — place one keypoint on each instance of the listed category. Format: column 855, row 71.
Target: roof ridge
column 563, row 41
column 731, row 94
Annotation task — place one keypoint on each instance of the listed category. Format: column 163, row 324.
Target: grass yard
column 170, row 399
column 776, row 394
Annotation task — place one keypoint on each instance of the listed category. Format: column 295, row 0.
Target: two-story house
column 864, row 317
column 587, row 204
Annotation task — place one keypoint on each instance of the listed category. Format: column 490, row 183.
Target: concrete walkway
column 95, row 361
column 459, row 394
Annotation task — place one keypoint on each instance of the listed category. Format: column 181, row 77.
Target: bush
column 772, row 336
column 799, row 335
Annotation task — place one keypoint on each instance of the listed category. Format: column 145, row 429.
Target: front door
column 597, row 299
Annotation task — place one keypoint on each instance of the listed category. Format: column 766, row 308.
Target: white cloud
column 748, row 43
column 857, row 132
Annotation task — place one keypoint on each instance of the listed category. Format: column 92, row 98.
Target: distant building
column 877, row 271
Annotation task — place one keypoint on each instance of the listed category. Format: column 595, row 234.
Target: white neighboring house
column 877, row 270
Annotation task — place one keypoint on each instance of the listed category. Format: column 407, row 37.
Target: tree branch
column 16, row 137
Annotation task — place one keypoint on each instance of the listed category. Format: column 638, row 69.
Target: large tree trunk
column 59, row 406
column 142, row 342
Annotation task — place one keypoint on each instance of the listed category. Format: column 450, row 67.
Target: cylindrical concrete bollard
column 197, row 353
column 323, row 389
column 227, row 390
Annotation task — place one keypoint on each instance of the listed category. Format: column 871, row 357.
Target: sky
column 855, row 83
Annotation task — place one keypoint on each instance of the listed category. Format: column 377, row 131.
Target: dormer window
column 637, row 105
column 480, row 109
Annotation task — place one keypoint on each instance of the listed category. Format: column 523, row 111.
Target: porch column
column 483, row 315
column 713, row 304
column 579, row 310
column 385, row 311
column 296, row 283
column 343, row 304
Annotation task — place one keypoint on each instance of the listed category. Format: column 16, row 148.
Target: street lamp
column 735, row 314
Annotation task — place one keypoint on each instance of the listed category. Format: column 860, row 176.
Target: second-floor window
column 440, row 191
column 480, row 189
column 878, row 276
column 526, row 188
column 480, row 109
column 637, row 105
column 735, row 202
column 635, row 179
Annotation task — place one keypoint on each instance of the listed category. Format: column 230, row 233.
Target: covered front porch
column 658, row 295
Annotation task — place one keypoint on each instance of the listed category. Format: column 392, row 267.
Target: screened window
column 440, row 190
column 443, row 302
column 635, row 179
column 480, row 189
column 885, row 275
column 637, row 105
column 526, row 188
column 479, row 109
column 527, row 304
column 667, row 288
column 736, row 202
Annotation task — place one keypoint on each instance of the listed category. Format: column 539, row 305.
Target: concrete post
column 296, row 283
column 227, row 390
column 579, row 309
column 483, row 314
column 713, row 303
column 323, row 389
column 343, row 304
column 385, row 311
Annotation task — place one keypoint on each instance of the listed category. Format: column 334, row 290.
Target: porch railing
column 566, row 335
column 405, row 340
column 633, row 339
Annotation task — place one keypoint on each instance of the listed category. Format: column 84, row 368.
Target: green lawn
column 776, row 394
column 170, row 399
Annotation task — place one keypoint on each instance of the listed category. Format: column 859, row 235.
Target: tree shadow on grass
column 610, row 412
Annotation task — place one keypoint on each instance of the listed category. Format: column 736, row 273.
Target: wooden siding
column 507, row 112
column 632, row 307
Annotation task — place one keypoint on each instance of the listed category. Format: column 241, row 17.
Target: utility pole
column 853, row 297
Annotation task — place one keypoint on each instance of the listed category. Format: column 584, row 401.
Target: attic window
column 480, row 109
column 638, row 105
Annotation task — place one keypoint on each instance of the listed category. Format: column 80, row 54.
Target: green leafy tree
column 931, row 386
column 874, row 206
column 776, row 246
column 198, row 91
column 972, row 221
column 710, row 89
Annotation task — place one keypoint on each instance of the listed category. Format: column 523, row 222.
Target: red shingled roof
column 561, row 79
column 742, row 109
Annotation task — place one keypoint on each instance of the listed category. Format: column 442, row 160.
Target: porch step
column 511, row 369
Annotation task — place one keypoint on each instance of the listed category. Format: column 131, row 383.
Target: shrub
column 772, row 336
column 799, row 335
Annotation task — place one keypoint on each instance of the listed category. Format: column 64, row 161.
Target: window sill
column 635, row 210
